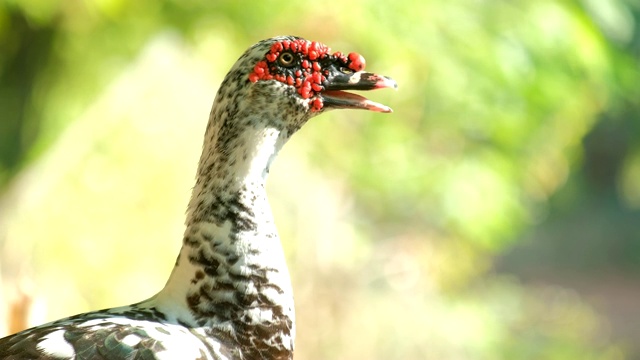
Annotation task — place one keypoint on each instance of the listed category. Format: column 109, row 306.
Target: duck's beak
column 334, row 96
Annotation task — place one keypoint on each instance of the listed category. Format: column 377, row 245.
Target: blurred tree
column 26, row 51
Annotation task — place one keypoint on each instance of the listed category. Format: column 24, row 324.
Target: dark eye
column 286, row 59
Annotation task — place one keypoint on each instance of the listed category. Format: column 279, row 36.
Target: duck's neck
column 231, row 277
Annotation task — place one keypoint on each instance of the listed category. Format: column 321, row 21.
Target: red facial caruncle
column 304, row 65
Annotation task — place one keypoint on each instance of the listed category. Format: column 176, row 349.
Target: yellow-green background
column 494, row 215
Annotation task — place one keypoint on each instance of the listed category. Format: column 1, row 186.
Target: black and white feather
column 229, row 295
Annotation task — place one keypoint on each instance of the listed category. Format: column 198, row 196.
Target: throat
column 231, row 277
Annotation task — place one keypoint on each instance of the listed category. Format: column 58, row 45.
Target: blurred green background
column 494, row 215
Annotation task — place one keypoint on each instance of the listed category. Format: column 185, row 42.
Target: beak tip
column 387, row 82
column 382, row 108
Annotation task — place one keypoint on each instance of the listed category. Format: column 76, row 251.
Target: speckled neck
column 231, row 277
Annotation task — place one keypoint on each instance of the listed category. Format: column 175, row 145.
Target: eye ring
column 286, row 59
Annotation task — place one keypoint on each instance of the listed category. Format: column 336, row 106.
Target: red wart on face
column 310, row 75
column 320, row 76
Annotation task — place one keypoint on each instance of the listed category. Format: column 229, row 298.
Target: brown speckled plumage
column 229, row 295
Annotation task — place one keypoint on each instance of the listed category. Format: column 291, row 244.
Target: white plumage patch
column 54, row 344
column 131, row 340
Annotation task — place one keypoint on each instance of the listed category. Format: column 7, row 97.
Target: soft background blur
column 494, row 215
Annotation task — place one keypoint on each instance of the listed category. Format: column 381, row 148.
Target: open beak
column 333, row 95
